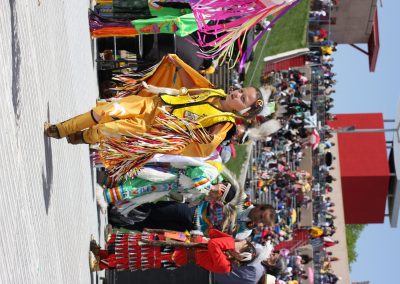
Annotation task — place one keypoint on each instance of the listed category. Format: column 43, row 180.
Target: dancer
column 192, row 185
column 177, row 216
column 168, row 249
column 163, row 174
column 188, row 122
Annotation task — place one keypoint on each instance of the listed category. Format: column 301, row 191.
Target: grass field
column 289, row 33
column 235, row 165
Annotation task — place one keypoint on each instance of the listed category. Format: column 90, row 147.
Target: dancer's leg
column 75, row 124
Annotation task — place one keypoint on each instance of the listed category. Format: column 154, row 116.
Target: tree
column 353, row 232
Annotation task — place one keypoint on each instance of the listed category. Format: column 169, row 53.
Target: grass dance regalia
column 169, row 249
column 179, row 177
column 212, row 206
column 189, row 119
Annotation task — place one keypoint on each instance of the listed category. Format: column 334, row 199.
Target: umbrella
column 310, row 274
column 315, row 139
column 328, row 158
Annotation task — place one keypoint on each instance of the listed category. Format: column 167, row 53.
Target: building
column 368, row 188
column 368, row 173
column 356, row 22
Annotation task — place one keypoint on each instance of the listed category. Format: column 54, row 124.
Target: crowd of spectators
column 301, row 103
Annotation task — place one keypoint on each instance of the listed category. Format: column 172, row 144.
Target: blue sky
column 359, row 91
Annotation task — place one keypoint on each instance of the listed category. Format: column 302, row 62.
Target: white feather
column 160, row 90
column 185, row 182
column 155, row 175
column 146, row 198
column 264, row 130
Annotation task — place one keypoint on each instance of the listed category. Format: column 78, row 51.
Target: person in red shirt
column 328, row 242
column 138, row 251
column 323, row 33
column 320, row 34
column 221, row 250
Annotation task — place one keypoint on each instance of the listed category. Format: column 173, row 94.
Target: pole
column 377, row 130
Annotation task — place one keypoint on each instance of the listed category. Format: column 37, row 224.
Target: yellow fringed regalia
column 132, row 129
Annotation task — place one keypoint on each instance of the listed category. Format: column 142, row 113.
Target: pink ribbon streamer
column 248, row 51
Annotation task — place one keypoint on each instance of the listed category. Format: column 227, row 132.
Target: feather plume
column 264, row 130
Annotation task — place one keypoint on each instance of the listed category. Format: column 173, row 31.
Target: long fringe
column 213, row 17
column 129, row 85
column 124, row 156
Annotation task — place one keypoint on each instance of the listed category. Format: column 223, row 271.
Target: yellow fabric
column 75, row 124
column 172, row 72
column 204, row 150
column 326, row 50
column 316, row 232
column 139, row 125
column 193, row 98
column 136, row 114
column 206, row 114
column 127, row 116
column 209, row 70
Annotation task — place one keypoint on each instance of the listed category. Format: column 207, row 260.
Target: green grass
column 288, row 33
column 235, row 165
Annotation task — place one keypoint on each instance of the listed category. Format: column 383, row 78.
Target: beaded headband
column 266, row 94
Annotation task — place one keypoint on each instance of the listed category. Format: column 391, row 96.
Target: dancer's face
column 241, row 99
